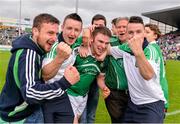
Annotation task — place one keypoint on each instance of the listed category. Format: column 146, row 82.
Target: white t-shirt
column 51, row 55
column 141, row 91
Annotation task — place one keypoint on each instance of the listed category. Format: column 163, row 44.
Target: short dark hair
column 73, row 16
column 155, row 29
column 114, row 21
column 102, row 30
column 136, row 19
column 44, row 18
column 98, row 17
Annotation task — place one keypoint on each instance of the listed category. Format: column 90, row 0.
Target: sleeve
column 46, row 61
column 116, row 52
column 33, row 88
column 125, row 47
column 153, row 58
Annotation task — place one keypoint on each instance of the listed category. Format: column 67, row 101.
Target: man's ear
column 155, row 36
column 35, row 31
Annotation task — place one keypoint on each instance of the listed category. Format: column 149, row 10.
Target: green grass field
column 172, row 71
column 4, row 59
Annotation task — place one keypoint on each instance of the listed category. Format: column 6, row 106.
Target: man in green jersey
column 142, row 67
column 62, row 54
column 89, row 113
column 152, row 34
column 115, row 77
column 88, row 68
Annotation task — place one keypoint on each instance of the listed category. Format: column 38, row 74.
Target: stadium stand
column 9, row 30
column 170, row 40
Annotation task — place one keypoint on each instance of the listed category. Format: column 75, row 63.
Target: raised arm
column 50, row 65
column 33, row 88
column 145, row 68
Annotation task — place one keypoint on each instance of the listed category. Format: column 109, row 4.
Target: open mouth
column 121, row 34
column 100, row 50
column 71, row 38
column 50, row 43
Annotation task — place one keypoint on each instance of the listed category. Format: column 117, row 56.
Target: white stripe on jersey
column 86, row 65
column 53, row 49
column 30, row 77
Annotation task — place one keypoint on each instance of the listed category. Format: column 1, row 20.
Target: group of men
column 53, row 77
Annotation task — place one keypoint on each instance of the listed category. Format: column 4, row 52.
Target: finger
column 69, row 67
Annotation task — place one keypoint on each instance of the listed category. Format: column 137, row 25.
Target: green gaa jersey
column 163, row 80
column 143, row 91
column 115, row 75
column 69, row 61
column 88, row 68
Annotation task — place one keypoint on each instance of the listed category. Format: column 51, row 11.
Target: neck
column 34, row 39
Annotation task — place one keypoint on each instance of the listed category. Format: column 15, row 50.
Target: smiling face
column 121, row 30
column 46, row 35
column 100, row 44
column 71, row 30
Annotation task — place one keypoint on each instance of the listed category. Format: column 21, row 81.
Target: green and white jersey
column 88, row 68
column 141, row 91
column 163, row 80
column 115, row 77
column 52, row 54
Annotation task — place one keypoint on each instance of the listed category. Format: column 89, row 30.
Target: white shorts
column 78, row 104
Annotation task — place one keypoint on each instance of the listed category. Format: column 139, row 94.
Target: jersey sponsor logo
column 91, row 71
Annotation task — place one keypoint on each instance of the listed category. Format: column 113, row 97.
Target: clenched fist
column 135, row 44
column 105, row 92
column 71, row 74
column 63, row 51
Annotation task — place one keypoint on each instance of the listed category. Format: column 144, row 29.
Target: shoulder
column 151, row 52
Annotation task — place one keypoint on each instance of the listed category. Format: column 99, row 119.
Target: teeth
column 71, row 38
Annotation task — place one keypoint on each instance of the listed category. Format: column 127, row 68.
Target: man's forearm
column 144, row 66
column 51, row 69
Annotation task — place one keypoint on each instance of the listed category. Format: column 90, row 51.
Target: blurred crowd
column 170, row 45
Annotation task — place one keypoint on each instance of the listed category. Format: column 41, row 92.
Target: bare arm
column 51, row 69
column 144, row 66
column 101, row 83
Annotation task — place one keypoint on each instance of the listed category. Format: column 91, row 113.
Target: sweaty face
column 71, row 30
column 121, row 27
column 135, row 30
column 100, row 44
column 150, row 35
column 99, row 23
column 46, row 35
